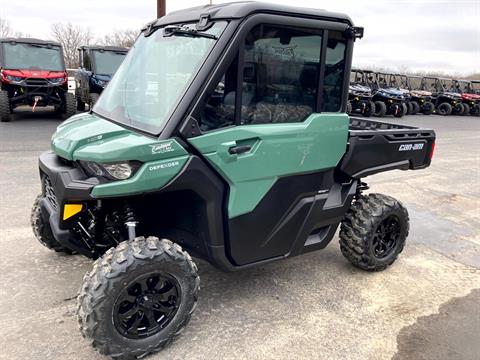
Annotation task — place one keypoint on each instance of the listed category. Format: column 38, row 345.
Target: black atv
column 419, row 97
column 445, row 97
column 359, row 95
column 388, row 100
column 97, row 66
column 32, row 73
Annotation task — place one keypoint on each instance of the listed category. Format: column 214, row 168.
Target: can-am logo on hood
column 162, row 148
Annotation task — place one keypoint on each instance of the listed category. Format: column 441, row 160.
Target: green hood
column 91, row 138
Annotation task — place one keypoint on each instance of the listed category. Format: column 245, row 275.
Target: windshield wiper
column 186, row 31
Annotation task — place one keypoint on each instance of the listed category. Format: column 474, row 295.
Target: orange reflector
column 71, row 209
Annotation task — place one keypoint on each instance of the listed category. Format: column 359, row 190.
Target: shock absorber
column 130, row 221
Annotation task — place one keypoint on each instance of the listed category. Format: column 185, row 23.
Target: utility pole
column 161, row 8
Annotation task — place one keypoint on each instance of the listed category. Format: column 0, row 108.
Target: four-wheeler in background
column 32, row 73
column 447, row 101
column 359, row 95
column 97, row 66
column 399, row 82
column 388, row 101
column 418, row 96
column 470, row 99
column 241, row 154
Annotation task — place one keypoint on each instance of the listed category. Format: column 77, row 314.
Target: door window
column 280, row 74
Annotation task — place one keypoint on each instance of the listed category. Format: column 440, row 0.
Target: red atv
column 470, row 97
column 32, row 73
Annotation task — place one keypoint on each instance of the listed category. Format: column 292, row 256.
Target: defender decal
column 163, row 166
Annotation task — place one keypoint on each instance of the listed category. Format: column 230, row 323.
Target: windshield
column 154, row 75
column 32, row 56
column 429, row 84
column 107, row 62
column 464, row 86
column 415, row 82
column 448, row 85
column 476, row 86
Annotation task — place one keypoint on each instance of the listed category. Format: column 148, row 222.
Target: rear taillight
column 432, row 150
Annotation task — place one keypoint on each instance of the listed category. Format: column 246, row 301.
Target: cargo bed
column 375, row 146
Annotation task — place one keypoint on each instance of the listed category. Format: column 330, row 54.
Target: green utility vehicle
column 223, row 135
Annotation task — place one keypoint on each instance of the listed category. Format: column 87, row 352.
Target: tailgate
column 371, row 152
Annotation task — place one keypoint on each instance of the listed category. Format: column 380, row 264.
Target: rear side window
column 280, row 74
column 334, row 72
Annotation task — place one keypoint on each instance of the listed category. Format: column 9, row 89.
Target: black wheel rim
column 386, row 237
column 146, row 305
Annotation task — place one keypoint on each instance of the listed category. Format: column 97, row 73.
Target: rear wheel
column 5, row 114
column 42, row 230
column 444, row 109
column 380, row 109
column 138, row 297
column 374, row 231
column 93, row 99
column 415, row 108
column 458, row 109
column 69, row 108
column 409, row 108
column 466, row 110
column 428, row 108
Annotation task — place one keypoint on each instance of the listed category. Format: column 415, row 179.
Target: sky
column 422, row 35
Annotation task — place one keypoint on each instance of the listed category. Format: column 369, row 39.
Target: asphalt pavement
column 315, row 306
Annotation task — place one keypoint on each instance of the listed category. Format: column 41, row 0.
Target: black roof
column 106, row 48
column 238, row 10
column 30, row 41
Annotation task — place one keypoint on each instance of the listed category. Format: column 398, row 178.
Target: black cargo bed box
column 375, row 147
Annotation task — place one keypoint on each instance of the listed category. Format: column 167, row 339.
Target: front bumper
column 63, row 183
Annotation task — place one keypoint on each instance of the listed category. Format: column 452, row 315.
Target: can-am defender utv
column 470, row 100
column 232, row 144
column 447, row 101
column 417, row 96
column 97, row 66
column 32, row 72
column 388, row 100
column 359, row 95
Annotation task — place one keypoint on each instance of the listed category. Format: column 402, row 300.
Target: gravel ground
column 314, row 306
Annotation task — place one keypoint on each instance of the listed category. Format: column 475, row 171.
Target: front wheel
column 415, row 108
column 42, row 231
column 475, row 110
column 374, row 231
column 380, row 109
column 5, row 114
column 444, row 109
column 428, row 108
column 69, row 106
column 138, row 297
column 466, row 110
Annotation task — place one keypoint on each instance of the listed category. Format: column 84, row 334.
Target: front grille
column 50, row 193
column 36, row 82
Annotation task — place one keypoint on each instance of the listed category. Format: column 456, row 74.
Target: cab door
column 273, row 128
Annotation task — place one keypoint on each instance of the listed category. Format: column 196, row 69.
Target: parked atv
column 32, row 73
column 447, row 101
column 421, row 97
column 216, row 138
column 388, row 101
column 470, row 100
column 399, row 82
column 97, row 66
column 359, row 95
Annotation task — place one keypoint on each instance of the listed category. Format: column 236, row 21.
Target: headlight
column 13, row 78
column 116, row 171
column 57, row 80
